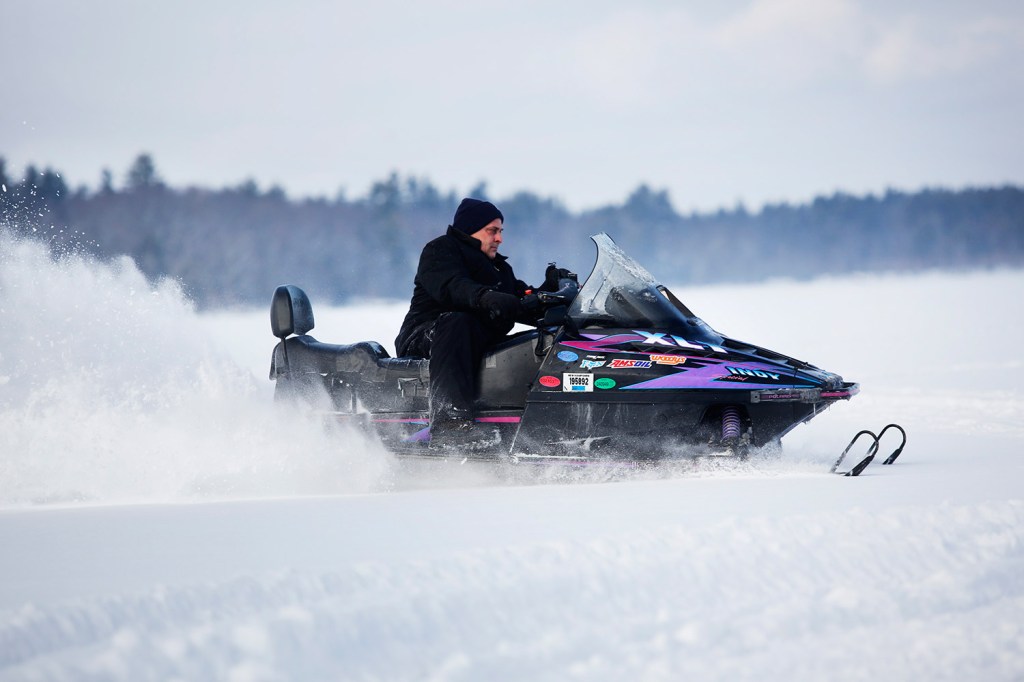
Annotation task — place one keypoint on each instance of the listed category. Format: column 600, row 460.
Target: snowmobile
column 619, row 368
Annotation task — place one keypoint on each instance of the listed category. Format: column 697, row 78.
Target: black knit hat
column 474, row 214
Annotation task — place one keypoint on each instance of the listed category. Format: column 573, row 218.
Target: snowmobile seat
column 304, row 354
column 291, row 313
column 366, row 359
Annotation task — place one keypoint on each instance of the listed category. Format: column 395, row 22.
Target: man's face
column 490, row 237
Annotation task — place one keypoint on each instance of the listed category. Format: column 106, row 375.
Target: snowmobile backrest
column 290, row 312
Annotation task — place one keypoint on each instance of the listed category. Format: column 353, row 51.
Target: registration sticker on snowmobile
column 578, row 382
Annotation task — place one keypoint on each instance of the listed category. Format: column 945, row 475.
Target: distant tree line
column 234, row 245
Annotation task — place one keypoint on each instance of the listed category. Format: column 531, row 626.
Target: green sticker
column 605, row 382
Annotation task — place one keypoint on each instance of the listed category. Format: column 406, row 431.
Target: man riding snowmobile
column 465, row 299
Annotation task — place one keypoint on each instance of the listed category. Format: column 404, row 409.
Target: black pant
column 455, row 344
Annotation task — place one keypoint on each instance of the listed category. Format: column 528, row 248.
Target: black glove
column 531, row 304
column 501, row 306
column 552, row 276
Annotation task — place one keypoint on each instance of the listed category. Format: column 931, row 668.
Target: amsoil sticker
column 578, row 382
column 638, row 364
column 568, row 356
column 550, row 381
column 605, row 382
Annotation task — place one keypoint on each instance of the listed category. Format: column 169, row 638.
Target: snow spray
column 111, row 391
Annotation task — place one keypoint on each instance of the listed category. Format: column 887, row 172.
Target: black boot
column 462, row 435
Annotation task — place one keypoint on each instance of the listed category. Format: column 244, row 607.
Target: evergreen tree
column 106, row 181
column 142, row 173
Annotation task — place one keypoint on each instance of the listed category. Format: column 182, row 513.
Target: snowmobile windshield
column 620, row 293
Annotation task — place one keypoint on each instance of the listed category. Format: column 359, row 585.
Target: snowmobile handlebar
column 566, row 293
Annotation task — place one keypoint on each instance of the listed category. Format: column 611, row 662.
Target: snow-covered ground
column 160, row 519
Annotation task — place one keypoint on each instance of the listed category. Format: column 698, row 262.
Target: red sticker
column 550, row 381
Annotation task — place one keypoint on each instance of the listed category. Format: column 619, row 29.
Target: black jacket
column 453, row 274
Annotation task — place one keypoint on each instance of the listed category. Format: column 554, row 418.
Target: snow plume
column 110, row 392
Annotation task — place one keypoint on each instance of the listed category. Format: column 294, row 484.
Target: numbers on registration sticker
column 578, row 382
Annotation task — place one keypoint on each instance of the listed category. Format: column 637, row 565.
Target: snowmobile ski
column 872, row 450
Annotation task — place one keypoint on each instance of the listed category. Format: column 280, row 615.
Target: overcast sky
column 754, row 101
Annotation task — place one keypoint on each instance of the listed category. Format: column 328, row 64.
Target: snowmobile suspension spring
column 730, row 423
